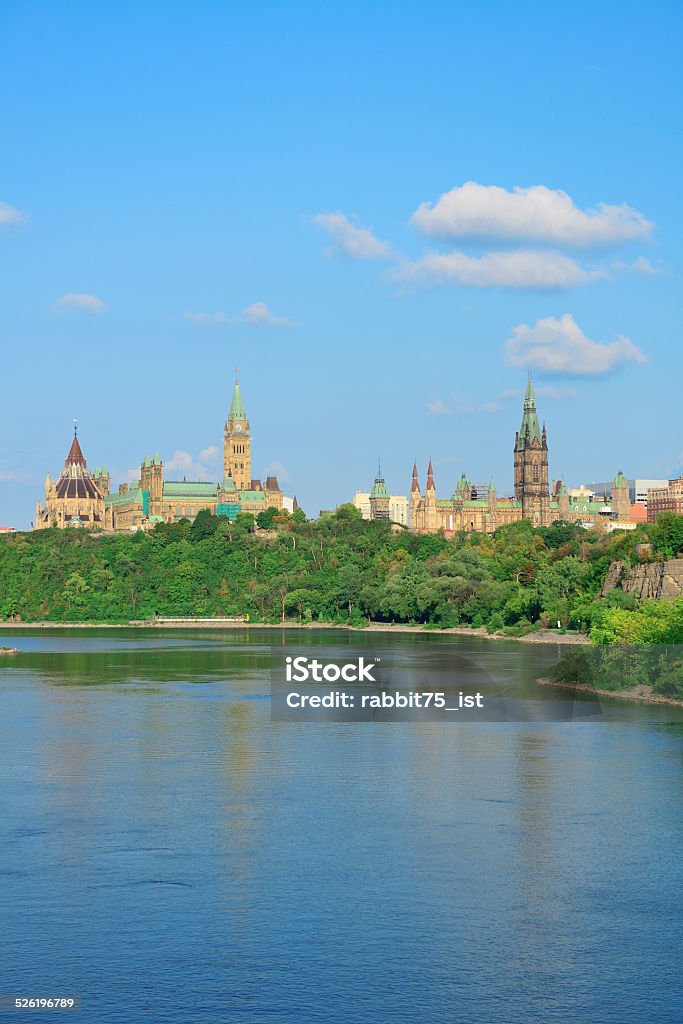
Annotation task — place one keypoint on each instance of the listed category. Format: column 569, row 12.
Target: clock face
column 238, row 428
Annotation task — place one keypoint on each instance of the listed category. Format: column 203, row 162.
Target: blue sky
column 190, row 187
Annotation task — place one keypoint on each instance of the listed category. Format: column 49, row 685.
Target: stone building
column 77, row 497
column 474, row 507
column 81, row 498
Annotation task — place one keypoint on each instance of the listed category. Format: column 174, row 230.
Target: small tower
column 493, row 497
column 563, row 501
column 621, row 499
column 379, row 497
column 430, row 516
column 415, row 500
column 237, row 442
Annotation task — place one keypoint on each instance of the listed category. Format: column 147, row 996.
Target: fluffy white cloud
column 186, row 466
column 560, row 346
column 74, row 303
column 536, row 214
column 522, row 269
column 357, row 242
column 256, row 315
column 438, row 408
column 10, row 215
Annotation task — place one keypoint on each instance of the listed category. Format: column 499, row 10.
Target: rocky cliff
column 653, row 579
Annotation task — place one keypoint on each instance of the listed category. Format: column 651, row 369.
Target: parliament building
column 477, row 507
column 80, row 497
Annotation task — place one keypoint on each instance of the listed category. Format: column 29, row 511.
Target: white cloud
column 357, row 242
column 82, row 303
column 10, row 215
column 185, row 466
column 522, row 269
column 280, row 471
column 209, row 454
column 535, row 214
column 256, row 315
column 560, row 346
column 438, row 408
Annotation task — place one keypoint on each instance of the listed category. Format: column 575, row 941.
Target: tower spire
column 236, row 405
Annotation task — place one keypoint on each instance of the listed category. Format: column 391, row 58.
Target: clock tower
column 237, row 442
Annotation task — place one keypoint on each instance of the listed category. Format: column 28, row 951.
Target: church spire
column 415, row 486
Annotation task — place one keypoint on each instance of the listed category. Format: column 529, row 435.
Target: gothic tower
column 237, row 443
column 531, row 464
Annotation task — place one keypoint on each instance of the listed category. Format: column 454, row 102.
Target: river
column 169, row 853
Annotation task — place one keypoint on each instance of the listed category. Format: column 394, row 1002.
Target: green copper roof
column 133, row 496
column 563, row 489
column 620, row 480
column 379, row 488
column 229, row 484
column 529, row 417
column 252, row 496
column 236, row 407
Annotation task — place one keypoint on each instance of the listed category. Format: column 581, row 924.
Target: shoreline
column 640, row 693
column 544, row 636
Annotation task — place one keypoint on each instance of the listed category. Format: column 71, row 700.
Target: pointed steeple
column 530, row 428
column 75, row 456
column 415, row 486
column 236, row 407
column 430, row 477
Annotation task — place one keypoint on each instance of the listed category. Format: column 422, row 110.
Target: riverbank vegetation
column 342, row 569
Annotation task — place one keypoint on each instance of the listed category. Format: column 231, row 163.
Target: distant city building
column 7, row 529
column 82, row 498
column 637, row 488
column 471, row 510
column 665, row 499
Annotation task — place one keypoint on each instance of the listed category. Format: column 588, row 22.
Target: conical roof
column 529, row 417
column 75, row 456
column 236, row 406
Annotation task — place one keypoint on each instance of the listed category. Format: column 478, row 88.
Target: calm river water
column 170, row 854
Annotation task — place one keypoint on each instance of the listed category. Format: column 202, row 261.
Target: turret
column 379, row 497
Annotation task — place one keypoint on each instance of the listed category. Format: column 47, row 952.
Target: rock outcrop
column 653, row 579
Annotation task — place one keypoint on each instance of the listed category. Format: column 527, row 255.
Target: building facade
column 475, row 507
column 665, row 499
column 81, row 498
